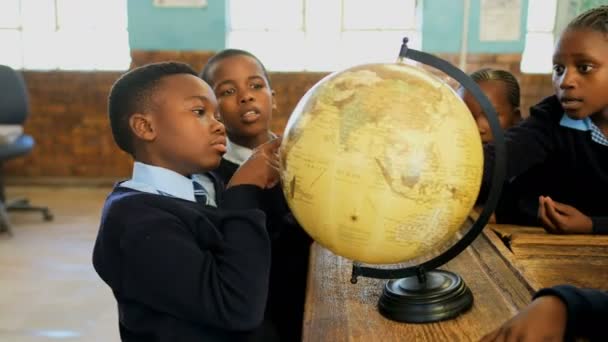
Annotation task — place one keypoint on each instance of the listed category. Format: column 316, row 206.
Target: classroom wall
column 73, row 139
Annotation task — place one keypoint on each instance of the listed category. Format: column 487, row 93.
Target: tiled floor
column 48, row 288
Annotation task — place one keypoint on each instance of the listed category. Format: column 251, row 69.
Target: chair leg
column 22, row 204
column 5, row 225
column 18, row 202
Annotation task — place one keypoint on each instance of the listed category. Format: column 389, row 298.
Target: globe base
column 433, row 296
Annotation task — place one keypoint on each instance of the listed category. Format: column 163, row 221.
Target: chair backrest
column 13, row 97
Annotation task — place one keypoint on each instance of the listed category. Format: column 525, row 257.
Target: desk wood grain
column 337, row 310
column 546, row 259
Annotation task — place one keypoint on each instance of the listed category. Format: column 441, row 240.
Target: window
column 546, row 20
column 64, row 34
column 538, row 50
column 322, row 35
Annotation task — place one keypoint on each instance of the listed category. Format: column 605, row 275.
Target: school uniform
column 179, row 270
column 553, row 155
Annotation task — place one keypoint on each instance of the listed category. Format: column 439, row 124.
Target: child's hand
column 559, row 218
column 261, row 169
column 543, row 320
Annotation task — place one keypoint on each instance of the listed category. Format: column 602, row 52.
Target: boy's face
column 580, row 72
column 496, row 92
column 188, row 138
column 244, row 96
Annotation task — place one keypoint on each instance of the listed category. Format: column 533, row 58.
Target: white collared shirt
column 585, row 125
column 239, row 154
column 236, row 153
column 161, row 181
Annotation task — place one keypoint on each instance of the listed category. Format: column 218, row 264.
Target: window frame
column 43, row 42
column 324, row 27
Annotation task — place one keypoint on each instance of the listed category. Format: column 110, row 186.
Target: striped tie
column 200, row 194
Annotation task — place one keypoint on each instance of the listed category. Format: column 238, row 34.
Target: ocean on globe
column 381, row 163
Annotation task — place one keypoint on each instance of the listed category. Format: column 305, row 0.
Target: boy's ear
column 142, row 127
column 274, row 103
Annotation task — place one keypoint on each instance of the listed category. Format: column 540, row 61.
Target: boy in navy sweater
column 179, row 270
column 559, row 155
column 246, row 101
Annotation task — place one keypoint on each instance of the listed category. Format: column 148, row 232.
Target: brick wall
column 69, row 122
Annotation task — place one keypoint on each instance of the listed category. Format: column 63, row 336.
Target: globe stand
column 416, row 295
column 434, row 296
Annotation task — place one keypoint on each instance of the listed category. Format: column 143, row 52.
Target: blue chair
column 13, row 111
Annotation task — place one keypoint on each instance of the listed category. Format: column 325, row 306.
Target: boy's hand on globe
column 543, row 320
column 559, row 218
column 261, row 169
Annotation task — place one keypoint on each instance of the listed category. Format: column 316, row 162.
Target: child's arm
column 262, row 167
column 198, row 275
column 557, row 314
column 543, row 320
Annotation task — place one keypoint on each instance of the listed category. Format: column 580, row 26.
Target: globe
column 381, row 163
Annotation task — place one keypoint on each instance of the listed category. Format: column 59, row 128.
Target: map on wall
column 499, row 20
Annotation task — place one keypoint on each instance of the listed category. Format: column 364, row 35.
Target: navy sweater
column 587, row 311
column 182, row 272
column 289, row 264
column 545, row 158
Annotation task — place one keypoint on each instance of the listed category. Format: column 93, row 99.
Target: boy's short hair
column 206, row 72
column 131, row 93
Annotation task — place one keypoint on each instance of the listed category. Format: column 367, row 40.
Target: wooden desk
column 546, row 259
column 503, row 268
column 337, row 310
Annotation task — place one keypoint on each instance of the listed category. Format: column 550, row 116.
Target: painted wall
column 159, row 28
column 588, row 4
column 569, row 9
column 442, row 26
